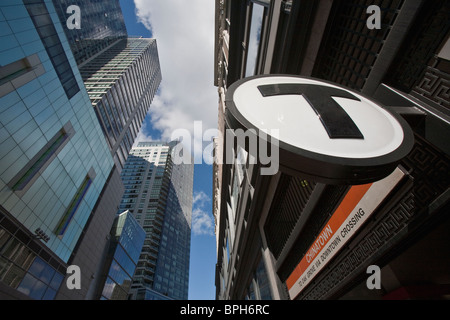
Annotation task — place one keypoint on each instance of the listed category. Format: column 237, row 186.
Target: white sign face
column 299, row 125
column 324, row 130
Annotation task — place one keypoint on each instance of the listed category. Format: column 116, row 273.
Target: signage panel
column 326, row 133
column 356, row 207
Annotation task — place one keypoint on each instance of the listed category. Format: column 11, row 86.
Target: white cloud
column 184, row 32
column 200, row 199
column 202, row 221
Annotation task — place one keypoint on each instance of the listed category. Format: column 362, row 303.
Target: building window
column 25, row 178
column 14, row 70
column 444, row 53
column 256, row 24
column 20, row 72
column 231, row 222
column 50, row 39
column 75, row 203
column 259, row 287
column 20, row 267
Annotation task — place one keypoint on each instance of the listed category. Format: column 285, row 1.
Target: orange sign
column 357, row 205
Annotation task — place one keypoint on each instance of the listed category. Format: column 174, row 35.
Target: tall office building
column 101, row 23
column 121, row 73
column 121, row 77
column 121, row 82
column 55, row 162
column 158, row 193
column 276, row 234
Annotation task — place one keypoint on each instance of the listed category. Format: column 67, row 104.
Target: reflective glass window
column 49, row 294
column 73, row 206
column 30, row 171
column 263, row 282
column 32, row 287
column 254, row 39
column 47, row 32
column 41, row 270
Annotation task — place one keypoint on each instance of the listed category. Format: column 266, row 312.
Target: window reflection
column 259, row 287
column 32, row 287
column 130, row 238
column 41, row 282
column 254, row 39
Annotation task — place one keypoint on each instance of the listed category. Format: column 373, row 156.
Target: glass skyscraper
column 54, row 159
column 101, row 24
column 62, row 146
column 121, row 76
column 127, row 238
column 121, row 73
column 159, row 194
column 121, row 82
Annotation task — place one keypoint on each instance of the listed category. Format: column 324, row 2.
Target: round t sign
column 325, row 132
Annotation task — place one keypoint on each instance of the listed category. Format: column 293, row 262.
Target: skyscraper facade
column 158, row 192
column 121, row 82
column 121, row 73
column 101, row 23
column 121, row 77
column 54, row 160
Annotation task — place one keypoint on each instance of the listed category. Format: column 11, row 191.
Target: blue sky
column 184, row 31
